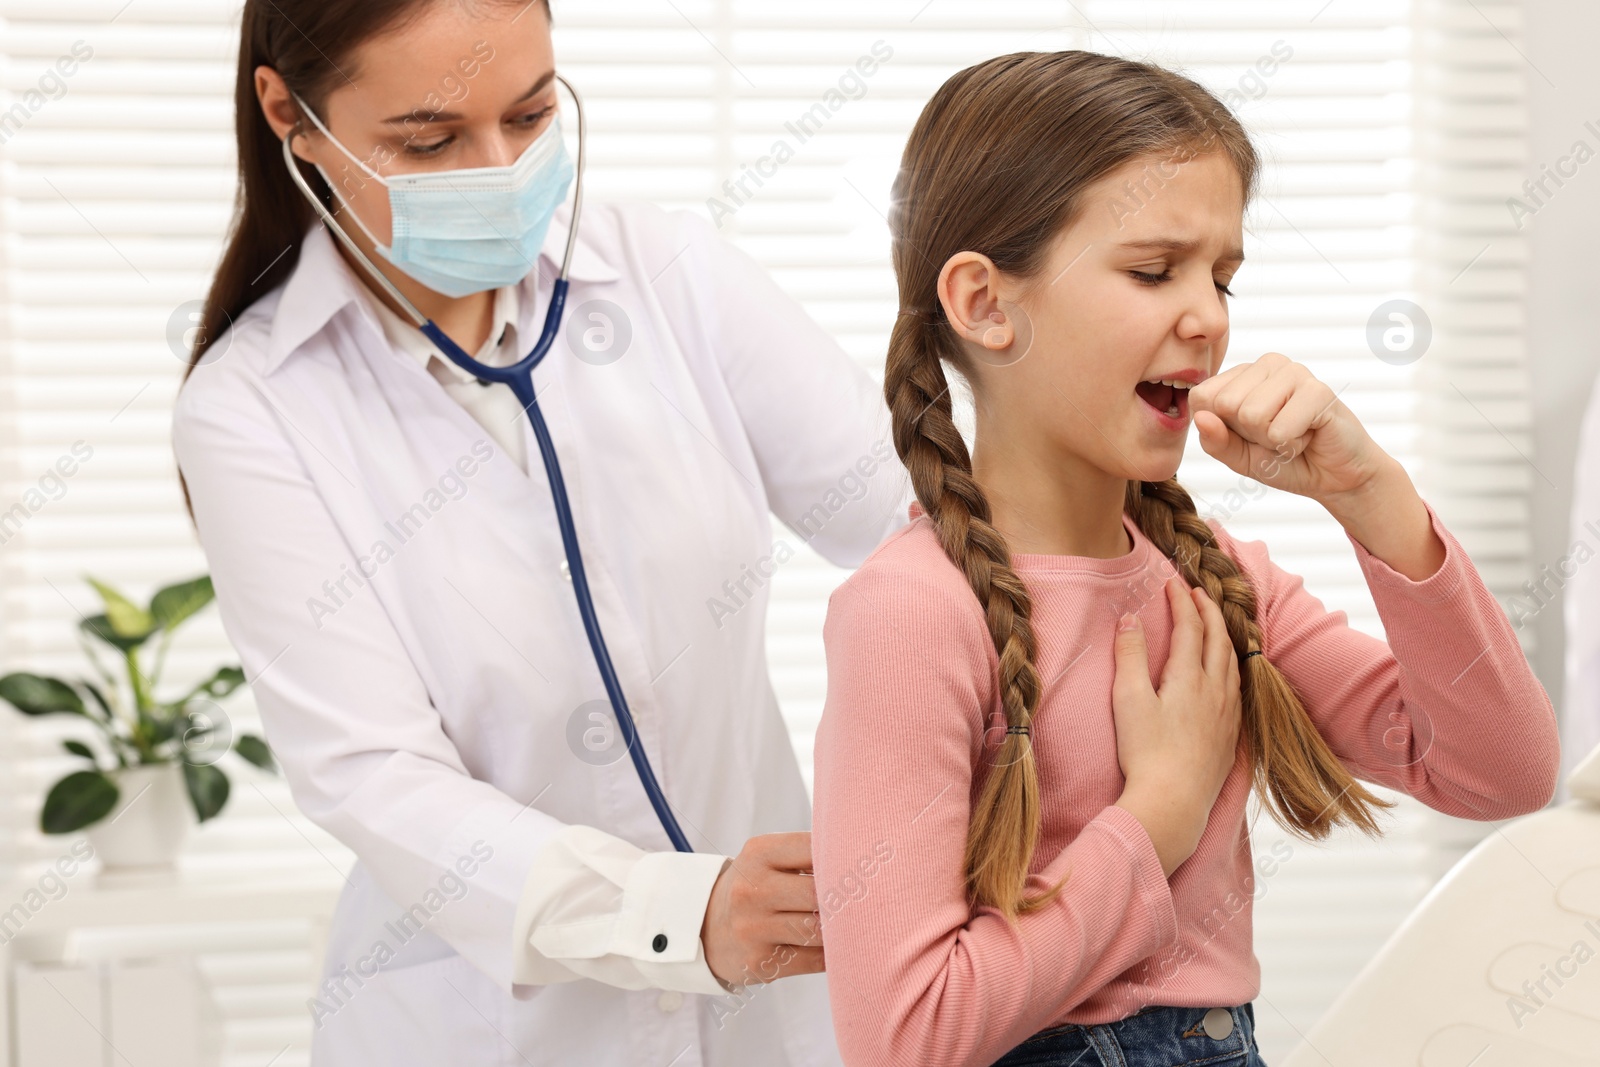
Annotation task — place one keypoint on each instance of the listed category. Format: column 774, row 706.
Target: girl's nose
column 1206, row 317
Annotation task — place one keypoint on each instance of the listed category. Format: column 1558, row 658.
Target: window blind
column 1391, row 132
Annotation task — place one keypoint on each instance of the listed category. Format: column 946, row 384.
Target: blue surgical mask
column 466, row 231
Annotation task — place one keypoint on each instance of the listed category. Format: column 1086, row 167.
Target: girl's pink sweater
column 1447, row 711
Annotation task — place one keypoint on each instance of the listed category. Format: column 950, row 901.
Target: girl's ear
column 995, row 331
column 969, row 291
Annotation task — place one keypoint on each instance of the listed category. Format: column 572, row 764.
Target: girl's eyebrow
column 1175, row 244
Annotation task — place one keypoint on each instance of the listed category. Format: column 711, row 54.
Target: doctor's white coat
column 396, row 589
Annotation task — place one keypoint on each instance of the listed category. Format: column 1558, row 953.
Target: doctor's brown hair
column 997, row 164
column 308, row 42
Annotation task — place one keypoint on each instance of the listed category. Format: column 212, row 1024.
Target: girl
column 1029, row 819
column 390, row 568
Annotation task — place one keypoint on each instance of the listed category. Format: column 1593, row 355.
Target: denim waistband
column 1156, row 1036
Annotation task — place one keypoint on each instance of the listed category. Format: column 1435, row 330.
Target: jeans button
column 1218, row 1023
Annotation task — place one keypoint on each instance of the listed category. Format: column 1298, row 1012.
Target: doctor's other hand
column 761, row 922
column 1176, row 746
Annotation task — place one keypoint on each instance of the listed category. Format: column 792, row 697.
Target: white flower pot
column 150, row 823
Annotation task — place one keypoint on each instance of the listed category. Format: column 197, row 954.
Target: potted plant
column 152, row 751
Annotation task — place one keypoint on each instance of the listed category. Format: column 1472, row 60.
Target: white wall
column 1563, row 277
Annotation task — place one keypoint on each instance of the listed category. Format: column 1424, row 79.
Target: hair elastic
column 1254, row 652
column 1023, row 730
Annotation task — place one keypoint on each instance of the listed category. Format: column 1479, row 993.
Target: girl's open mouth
column 1170, row 403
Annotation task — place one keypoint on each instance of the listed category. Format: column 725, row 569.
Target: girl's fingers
column 1203, row 396
column 1309, row 408
column 1188, row 632
column 1257, row 410
column 1231, row 393
column 1218, row 646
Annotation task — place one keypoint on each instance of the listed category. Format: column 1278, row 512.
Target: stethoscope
column 519, row 376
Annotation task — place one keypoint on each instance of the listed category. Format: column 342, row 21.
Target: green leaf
column 175, row 603
column 165, row 727
column 79, row 799
column 78, row 748
column 33, row 694
column 221, row 684
column 100, row 626
column 100, row 699
column 252, row 748
column 208, row 789
column 128, row 620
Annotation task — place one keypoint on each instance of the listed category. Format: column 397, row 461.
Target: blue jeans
column 1156, row 1036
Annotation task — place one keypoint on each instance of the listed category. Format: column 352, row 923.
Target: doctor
column 390, row 568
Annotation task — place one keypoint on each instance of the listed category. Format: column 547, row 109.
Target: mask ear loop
column 306, row 112
column 292, row 162
column 338, row 195
column 346, row 207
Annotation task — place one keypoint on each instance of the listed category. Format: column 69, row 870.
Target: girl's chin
column 1160, row 461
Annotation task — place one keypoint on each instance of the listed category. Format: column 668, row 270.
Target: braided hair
column 1005, row 820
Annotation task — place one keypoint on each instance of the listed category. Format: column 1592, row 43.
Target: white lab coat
column 395, row 587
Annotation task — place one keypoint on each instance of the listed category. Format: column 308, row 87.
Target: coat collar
column 323, row 284
column 414, row 343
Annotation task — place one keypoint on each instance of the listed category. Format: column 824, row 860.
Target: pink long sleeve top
column 1447, row 711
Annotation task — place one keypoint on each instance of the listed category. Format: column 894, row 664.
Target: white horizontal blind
column 1478, row 462
column 116, row 196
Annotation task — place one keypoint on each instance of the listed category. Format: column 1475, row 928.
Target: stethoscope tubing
column 519, row 376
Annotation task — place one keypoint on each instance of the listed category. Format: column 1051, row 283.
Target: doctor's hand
column 761, row 921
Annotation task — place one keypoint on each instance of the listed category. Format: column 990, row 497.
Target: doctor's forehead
column 464, row 57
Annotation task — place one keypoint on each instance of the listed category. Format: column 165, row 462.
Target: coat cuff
column 664, row 906
column 596, row 906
